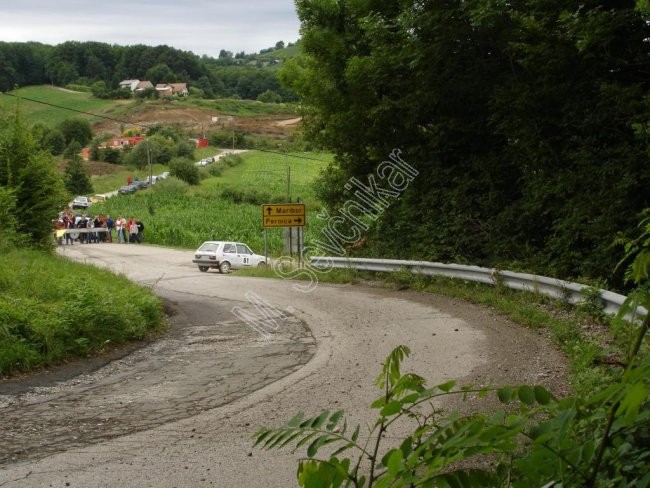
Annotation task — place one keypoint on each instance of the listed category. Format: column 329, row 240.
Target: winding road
column 180, row 411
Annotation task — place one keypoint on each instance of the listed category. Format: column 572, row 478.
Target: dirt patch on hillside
column 203, row 121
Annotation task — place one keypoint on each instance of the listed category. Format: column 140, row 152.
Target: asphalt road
column 180, row 411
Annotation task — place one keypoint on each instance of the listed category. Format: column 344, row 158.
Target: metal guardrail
column 551, row 287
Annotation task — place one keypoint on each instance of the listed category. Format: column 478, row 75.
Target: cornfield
column 186, row 219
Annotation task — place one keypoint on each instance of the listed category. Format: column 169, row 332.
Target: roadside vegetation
column 52, row 310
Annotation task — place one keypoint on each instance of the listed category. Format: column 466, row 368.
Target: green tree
column 54, row 142
column 39, row 198
column 98, row 89
column 184, row 169
column 156, row 148
column 269, row 96
column 95, row 153
column 72, row 151
column 513, row 114
column 76, row 130
column 111, row 155
column 161, row 73
column 76, row 179
column 32, row 191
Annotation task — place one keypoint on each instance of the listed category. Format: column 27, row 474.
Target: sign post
column 284, row 215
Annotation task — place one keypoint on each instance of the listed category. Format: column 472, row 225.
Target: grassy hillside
column 79, row 102
column 51, row 116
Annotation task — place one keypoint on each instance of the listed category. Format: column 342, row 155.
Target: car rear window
column 209, row 247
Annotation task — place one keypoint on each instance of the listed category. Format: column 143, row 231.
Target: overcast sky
column 200, row 26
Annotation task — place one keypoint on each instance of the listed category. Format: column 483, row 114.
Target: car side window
column 242, row 249
column 228, row 248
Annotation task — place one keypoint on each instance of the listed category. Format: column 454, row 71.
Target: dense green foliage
column 527, row 123
column 75, row 177
column 81, row 310
column 33, row 191
column 184, row 169
column 98, row 68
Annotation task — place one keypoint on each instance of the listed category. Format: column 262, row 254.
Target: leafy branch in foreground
column 600, row 440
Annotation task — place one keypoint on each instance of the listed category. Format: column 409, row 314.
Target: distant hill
column 99, row 67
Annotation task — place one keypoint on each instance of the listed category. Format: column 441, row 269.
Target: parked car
column 80, row 202
column 127, row 189
column 226, row 256
column 99, row 198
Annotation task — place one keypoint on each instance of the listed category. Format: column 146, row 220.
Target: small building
column 169, row 89
column 120, row 142
column 180, row 89
column 143, row 85
column 164, row 90
column 129, row 84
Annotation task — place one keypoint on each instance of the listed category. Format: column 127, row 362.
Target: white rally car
column 226, row 256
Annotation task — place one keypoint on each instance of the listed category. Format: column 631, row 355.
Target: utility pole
column 149, row 161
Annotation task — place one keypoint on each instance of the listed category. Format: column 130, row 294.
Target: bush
column 185, row 169
column 215, row 170
column 171, row 186
column 232, row 160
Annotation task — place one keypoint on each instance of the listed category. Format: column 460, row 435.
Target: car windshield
column 209, row 247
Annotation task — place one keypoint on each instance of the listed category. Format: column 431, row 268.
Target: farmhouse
column 169, row 89
column 136, row 85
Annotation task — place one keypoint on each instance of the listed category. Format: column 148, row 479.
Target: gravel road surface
column 180, row 411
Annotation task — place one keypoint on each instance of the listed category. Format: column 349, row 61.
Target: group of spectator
column 126, row 230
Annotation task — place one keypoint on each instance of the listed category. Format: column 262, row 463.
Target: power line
column 69, row 109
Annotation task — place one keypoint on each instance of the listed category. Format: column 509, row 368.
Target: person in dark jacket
column 140, row 230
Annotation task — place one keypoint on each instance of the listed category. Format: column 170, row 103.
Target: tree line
column 101, row 67
column 528, row 123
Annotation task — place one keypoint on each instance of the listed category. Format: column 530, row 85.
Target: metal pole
column 288, row 183
column 299, row 243
column 266, row 247
column 149, row 161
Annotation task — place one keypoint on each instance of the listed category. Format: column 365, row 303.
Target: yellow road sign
column 283, row 215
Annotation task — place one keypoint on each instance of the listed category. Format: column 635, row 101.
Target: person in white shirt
column 119, row 228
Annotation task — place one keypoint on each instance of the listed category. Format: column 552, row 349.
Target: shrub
column 184, row 169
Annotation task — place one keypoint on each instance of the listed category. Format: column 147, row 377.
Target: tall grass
column 81, row 310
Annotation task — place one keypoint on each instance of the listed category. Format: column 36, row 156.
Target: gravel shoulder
column 180, row 411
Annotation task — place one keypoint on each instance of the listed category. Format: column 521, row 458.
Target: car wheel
column 261, row 265
column 203, row 269
column 224, row 267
